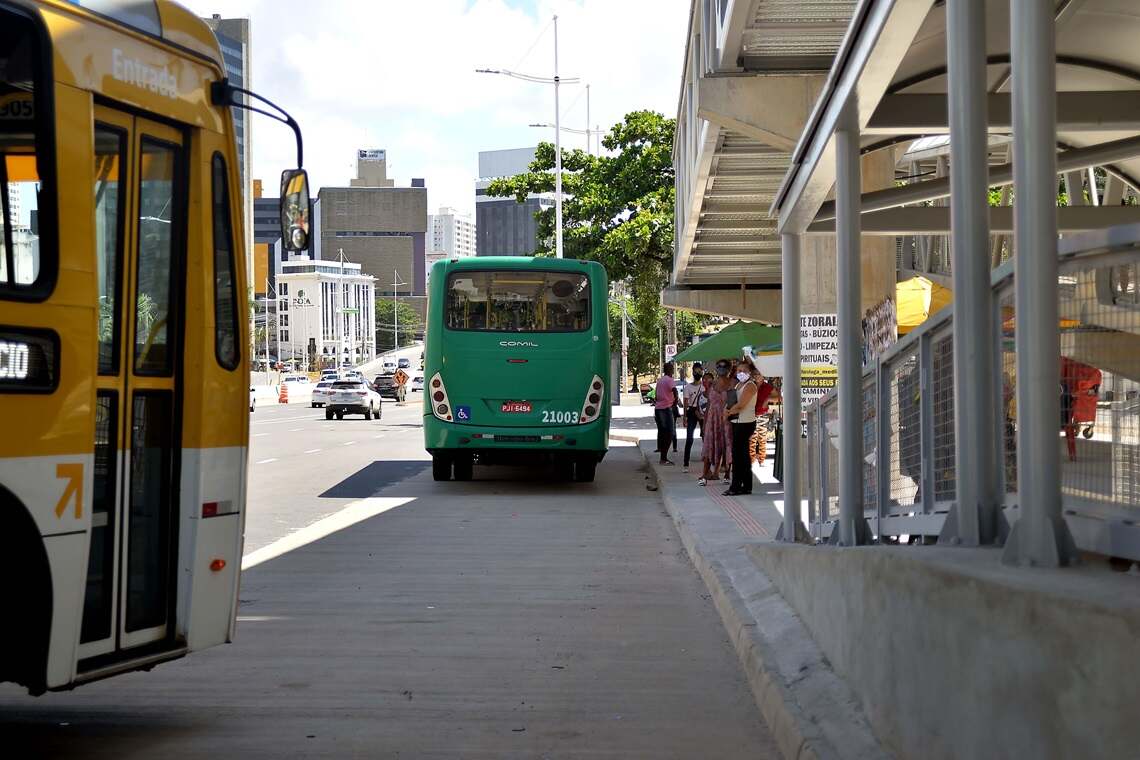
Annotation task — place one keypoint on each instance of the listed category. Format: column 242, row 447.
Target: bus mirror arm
column 222, row 93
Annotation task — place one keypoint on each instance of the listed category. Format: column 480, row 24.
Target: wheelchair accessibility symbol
column 463, row 413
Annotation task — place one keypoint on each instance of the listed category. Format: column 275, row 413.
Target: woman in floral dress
column 716, row 442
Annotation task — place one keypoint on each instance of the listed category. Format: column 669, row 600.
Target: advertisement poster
column 819, row 354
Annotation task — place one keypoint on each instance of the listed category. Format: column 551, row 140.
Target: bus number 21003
column 569, row 418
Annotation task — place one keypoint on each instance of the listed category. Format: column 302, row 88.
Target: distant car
column 417, row 383
column 353, row 397
column 388, row 367
column 252, row 399
column 404, row 363
column 321, row 392
column 386, row 385
column 329, row 374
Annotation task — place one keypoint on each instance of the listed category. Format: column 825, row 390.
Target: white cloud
column 400, row 76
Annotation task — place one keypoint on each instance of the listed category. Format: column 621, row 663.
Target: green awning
column 730, row 342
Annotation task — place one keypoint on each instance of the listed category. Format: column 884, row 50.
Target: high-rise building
column 452, row 233
column 503, row 226
column 378, row 225
column 234, row 39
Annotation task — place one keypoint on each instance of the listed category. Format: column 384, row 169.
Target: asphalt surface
column 388, row 616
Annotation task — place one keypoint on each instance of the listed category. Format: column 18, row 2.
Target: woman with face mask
column 742, row 416
column 717, row 437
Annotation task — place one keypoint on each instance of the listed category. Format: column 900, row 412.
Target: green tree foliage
column 410, row 324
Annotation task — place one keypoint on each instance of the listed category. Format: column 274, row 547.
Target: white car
column 388, row 367
column 321, row 392
column 353, row 397
column 417, row 383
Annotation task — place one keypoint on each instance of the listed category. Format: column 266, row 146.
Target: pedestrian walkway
column 811, row 711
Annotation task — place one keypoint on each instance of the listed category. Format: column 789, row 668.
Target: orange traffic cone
column 283, row 395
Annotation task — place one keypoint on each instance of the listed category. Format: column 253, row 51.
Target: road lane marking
column 378, row 436
column 267, row 461
column 258, row 435
column 350, row 443
column 281, row 422
column 312, row 451
column 294, row 430
column 352, row 513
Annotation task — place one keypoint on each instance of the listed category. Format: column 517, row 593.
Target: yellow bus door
column 140, row 192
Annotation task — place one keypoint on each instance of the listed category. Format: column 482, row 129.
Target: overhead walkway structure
column 1006, row 428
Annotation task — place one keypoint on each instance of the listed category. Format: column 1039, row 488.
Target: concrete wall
column 954, row 655
column 382, row 229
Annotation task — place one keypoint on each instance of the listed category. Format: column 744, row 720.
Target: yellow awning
column 918, row 298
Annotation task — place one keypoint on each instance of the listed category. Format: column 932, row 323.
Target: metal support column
column 973, row 519
column 1041, row 536
column 792, row 529
column 852, row 529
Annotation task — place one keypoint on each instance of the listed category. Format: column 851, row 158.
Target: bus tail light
column 440, row 403
column 592, row 406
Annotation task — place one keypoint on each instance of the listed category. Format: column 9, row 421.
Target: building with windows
column 452, row 233
column 505, row 227
column 381, row 227
column 325, row 309
column 234, row 39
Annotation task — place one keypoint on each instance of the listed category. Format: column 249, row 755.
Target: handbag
column 730, row 401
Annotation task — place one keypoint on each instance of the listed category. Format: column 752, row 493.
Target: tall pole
column 1040, row 536
column 589, row 135
column 852, row 528
column 339, row 309
column 624, row 345
column 557, row 153
column 973, row 518
column 267, row 329
column 395, row 312
column 792, row 528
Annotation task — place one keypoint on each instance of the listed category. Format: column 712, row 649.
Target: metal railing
column 909, row 413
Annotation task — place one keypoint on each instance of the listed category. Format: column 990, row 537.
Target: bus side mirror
column 295, row 209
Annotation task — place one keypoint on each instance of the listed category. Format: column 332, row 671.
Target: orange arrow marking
column 74, row 475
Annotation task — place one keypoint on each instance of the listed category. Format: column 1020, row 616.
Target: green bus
column 516, row 361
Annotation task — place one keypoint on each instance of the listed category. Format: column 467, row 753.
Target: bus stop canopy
column 730, row 342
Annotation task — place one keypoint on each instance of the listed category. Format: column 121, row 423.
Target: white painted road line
column 378, row 436
column 281, row 422
column 267, row 461
column 258, row 435
column 294, row 430
column 350, row 443
column 312, row 451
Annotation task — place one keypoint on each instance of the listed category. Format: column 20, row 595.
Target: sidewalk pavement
column 811, row 711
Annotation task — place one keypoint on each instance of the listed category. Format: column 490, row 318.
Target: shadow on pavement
column 374, row 478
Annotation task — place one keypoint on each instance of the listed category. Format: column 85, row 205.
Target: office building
column 377, row 225
column 452, row 233
column 234, row 39
column 503, row 226
column 325, row 309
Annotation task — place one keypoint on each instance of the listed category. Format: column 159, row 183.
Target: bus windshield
column 518, row 301
column 19, row 172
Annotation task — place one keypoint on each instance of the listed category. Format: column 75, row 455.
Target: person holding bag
column 742, row 416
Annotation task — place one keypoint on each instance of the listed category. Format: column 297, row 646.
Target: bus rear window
column 24, row 270
column 518, row 301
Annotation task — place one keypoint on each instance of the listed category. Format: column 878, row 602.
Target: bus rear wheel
column 464, row 468
column 440, row 467
column 585, row 469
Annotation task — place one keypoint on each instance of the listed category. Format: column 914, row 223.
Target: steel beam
column 1040, row 537
column 927, row 114
column 973, row 519
column 792, row 529
column 935, row 220
column 849, row 287
column 1076, row 158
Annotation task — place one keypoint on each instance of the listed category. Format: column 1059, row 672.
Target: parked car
column 417, row 383
column 385, row 385
column 252, row 399
column 353, row 397
column 404, row 363
column 321, row 392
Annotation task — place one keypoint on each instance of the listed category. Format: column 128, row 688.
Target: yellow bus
column 124, row 367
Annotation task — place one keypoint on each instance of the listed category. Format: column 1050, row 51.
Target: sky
column 399, row 75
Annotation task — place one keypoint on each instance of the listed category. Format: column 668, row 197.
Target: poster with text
column 819, row 354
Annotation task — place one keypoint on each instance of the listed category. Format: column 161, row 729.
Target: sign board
column 670, row 351
column 819, row 354
column 371, row 155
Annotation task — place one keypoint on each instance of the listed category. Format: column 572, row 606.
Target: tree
column 410, row 324
column 619, row 212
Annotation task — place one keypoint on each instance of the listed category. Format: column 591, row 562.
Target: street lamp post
column 396, row 281
column 557, row 81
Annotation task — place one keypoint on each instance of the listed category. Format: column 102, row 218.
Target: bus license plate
column 517, row 407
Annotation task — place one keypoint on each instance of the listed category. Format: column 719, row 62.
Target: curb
column 797, row 731
column 625, row 438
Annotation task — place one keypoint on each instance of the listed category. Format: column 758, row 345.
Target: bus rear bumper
column 556, row 441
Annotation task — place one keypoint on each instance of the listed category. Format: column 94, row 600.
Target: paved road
column 512, row 616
